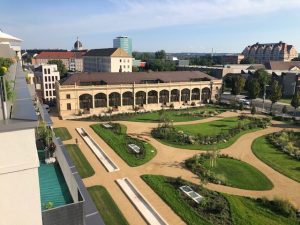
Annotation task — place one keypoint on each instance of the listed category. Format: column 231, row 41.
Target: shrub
column 253, row 110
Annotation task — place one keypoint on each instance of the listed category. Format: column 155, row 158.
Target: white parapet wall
column 140, row 202
column 109, row 165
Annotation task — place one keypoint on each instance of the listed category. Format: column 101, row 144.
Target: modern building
column 71, row 59
column 10, row 46
column 46, row 76
column 123, row 42
column 263, row 53
column 232, row 59
column 94, row 93
column 107, row 60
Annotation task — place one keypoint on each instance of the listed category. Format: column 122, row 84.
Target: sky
column 173, row 25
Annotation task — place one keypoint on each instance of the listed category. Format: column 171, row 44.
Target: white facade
column 19, row 190
column 46, row 77
column 107, row 64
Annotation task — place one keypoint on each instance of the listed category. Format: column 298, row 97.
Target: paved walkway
column 169, row 162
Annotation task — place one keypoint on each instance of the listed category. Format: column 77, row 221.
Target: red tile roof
column 59, row 55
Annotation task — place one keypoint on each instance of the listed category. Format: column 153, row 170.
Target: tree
column 238, row 84
column 60, row 67
column 262, row 76
column 284, row 110
column 247, row 61
column 296, row 101
column 160, row 54
column 253, row 109
column 276, row 93
column 253, row 88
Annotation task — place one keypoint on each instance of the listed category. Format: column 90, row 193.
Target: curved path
column 169, row 162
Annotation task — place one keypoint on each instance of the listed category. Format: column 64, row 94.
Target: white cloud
column 144, row 14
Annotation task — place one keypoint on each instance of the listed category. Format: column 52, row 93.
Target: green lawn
column 286, row 100
column 62, row 133
column 276, row 159
column 209, row 128
column 81, row 163
column 246, row 211
column 176, row 115
column 106, row 206
column 240, row 174
column 118, row 143
column 243, row 211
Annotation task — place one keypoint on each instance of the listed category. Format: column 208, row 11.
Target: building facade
column 46, row 76
column 232, row 59
column 71, row 59
column 263, row 53
column 94, row 93
column 123, row 42
column 112, row 60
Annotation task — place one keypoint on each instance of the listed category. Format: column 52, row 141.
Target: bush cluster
column 287, row 142
column 167, row 131
column 196, row 165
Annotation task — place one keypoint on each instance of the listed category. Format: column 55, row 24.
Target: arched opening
column 100, row 100
column 85, row 101
column 127, row 98
column 152, row 97
column 205, row 95
column 185, row 95
column 175, row 93
column 140, row 98
column 163, row 96
column 114, row 99
column 196, row 94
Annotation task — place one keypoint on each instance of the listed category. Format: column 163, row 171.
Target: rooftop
column 60, row 55
column 109, row 52
column 103, row 78
column 280, row 65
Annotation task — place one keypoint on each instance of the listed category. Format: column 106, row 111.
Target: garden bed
column 228, row 171
column 278, row 160
column 176, row 115
column 119, row 141
column 220, row 133
column 62, row 133
column 220, row 208
column 106, row 206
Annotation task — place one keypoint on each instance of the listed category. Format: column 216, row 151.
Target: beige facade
column 96, row 99
column 263, row 53
column 112, row 60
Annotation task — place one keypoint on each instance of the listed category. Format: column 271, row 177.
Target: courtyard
column 169, row 162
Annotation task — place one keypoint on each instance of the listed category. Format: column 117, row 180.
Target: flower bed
column 287, row 142
column 168, row 132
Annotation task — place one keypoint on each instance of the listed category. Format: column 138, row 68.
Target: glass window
column 48, row 71
column 120, row 60
column 68, row 106
column 68, row 96
column 45, row 78
column 45, row 71
column 46, row 85
column 52, row 78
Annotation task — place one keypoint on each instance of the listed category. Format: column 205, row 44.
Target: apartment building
column 112, row 60
column 71, row 59
column 263, row 53
column 46, row 76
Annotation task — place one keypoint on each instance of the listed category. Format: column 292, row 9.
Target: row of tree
column 256, row 85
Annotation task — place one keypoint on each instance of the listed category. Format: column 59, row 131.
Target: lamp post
column 264, row 97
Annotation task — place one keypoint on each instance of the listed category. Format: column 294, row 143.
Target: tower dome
column 78, row 45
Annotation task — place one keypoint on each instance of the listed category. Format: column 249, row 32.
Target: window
column 68, row 106
column 52, row 78
column 45, row 71
column 46, row 93
column 68, row 96
column 54, row 93
column 46, row 85
column 120, row 60
column 124, row 66
column 46, row 78
column 48, row 71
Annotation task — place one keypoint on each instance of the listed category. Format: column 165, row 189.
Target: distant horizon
column 227, row 26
